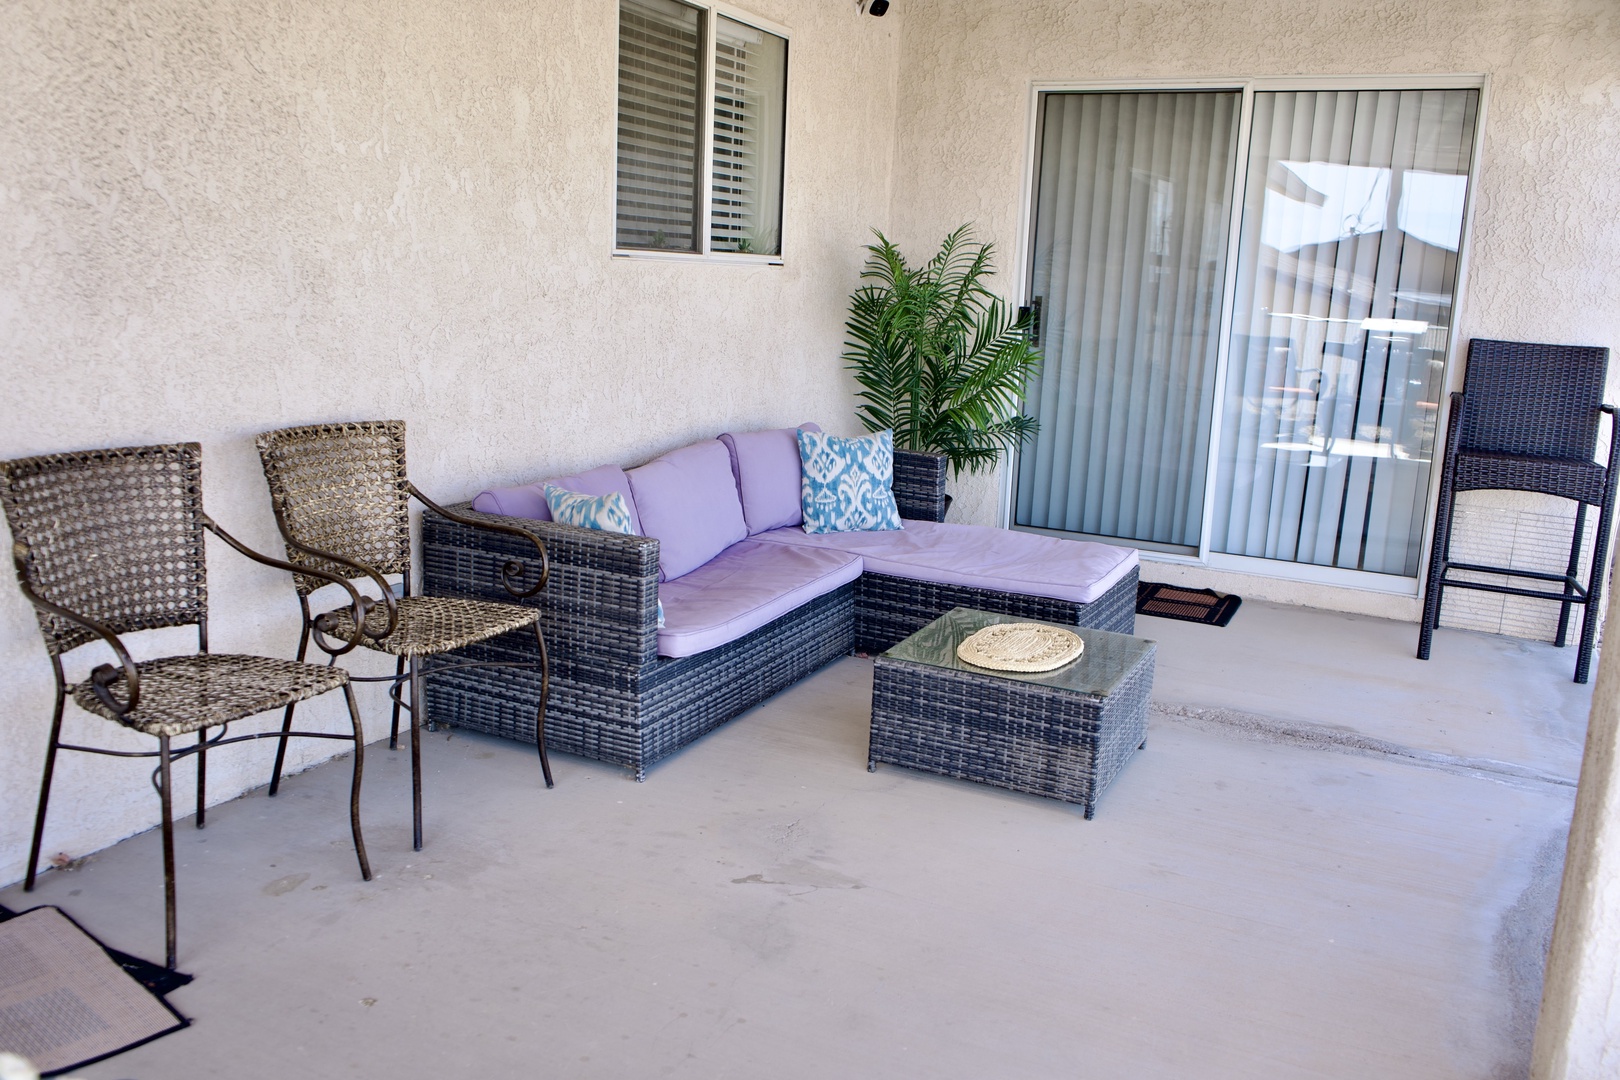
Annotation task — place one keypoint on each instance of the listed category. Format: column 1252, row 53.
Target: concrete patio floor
column 1330, row 861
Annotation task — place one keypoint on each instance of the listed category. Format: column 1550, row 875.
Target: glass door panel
column 1132, row 209
column 1346, row 273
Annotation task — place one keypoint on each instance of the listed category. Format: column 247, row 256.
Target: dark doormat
column 66, row 1000
column 1189, row 605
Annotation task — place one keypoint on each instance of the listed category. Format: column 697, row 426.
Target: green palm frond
column 938, row 357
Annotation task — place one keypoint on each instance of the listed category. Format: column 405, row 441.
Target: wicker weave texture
column 181, row 694
column 889, row 609
column 115, row 535
column 1533, row 400
column 1016, row 735
column 678, row 701
column 919, row 485
column 429, row 625
column 342, row 489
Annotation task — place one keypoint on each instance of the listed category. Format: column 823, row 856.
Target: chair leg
column 45, row 789
column 202, row 776
column 418, row 703
column 393, row 730
column 1439, row 554
column 1569, row 573
column 354, row 786
column 540, row 713
column 1594, row 592
column 287, row 718
column 165, row 794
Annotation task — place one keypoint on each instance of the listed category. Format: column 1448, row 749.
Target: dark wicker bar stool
column 342, row 502
column 1528, row 420
column 110, row 542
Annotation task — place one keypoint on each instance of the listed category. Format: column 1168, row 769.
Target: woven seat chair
column 110, row 542
column 342, row 501
column 1528, row 420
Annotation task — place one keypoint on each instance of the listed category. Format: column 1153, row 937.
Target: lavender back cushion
column 766, row 465
column 688, row 501
column 529, row 500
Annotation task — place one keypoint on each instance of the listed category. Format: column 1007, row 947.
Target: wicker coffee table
column 1064, row 734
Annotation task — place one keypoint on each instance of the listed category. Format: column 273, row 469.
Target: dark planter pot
column 919, row 485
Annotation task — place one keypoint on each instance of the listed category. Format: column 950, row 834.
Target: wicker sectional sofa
column 615, row 699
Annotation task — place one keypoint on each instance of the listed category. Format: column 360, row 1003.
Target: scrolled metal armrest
column 359, row 604
column 104, row 676
column 360, row 569
column 513, row 571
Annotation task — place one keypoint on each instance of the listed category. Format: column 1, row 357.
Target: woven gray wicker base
column 612, row 697
column 1023, row 736
column 888, row 609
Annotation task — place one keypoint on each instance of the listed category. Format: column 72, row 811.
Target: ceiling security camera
column 873, row 7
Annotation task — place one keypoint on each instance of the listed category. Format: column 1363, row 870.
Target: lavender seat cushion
column 766, row 465
column 743, row 588
column 687, row 500
column 978, row 557
column 529, row 500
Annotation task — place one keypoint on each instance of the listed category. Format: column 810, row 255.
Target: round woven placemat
column 1020, row 647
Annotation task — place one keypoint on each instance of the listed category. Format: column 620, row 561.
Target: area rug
column 66, row 1000
column 1189, row 605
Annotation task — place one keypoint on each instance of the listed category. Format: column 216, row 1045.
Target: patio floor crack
column 1339, row 740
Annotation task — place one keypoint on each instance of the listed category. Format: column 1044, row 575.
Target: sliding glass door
column 1282, row 407
column 1134, row 199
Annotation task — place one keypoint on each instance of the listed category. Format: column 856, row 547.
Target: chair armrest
column 360, row 606
column 513, row 571
column 104, row 675
column 360, row 569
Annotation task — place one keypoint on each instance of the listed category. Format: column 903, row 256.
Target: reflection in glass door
column 1346, row 269
column 1132, row 211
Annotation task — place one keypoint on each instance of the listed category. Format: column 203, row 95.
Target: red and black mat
column 1189, row 605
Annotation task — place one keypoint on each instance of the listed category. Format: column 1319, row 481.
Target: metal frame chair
column 110, row 542
column 342, row 502
column 1528, row 419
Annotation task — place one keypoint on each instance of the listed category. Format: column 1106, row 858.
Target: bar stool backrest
column 1531, row 400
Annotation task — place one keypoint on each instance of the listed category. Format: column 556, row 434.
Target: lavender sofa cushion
column 766, row 465
column 979, row 557
column 687, row 500
column 743, row 588
column 529, row 500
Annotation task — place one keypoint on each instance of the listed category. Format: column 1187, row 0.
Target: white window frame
column 705, row 194
column 1270, row 568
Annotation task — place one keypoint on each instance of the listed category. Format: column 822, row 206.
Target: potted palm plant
column 940, row 360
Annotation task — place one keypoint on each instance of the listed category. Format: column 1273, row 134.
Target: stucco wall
column 218, row 218
column 1547, row 218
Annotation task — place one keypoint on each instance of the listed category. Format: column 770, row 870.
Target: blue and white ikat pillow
column 846, row 485
column 604, row 513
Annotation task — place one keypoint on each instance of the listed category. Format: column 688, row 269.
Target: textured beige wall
column 1547, row 217
column 222, row 217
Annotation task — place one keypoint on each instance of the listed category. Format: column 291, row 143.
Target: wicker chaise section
column 612, row 697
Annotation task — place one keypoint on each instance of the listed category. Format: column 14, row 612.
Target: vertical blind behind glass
column 1132, row 211
column 750, row 97
column 660, row 81
column 1347, row 267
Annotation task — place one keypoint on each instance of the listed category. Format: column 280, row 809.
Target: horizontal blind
column 1347, row 267
column 750, row 70
column 1134, row 197
column 660, row 85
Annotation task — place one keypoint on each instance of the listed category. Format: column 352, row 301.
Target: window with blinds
column 702, row 117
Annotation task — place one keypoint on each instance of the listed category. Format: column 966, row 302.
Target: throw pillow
column 847, row 485
column 604, row 513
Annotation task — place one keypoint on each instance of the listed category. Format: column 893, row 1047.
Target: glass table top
column 1107, row 659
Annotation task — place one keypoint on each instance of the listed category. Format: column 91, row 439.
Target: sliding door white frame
column 1452, row 378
